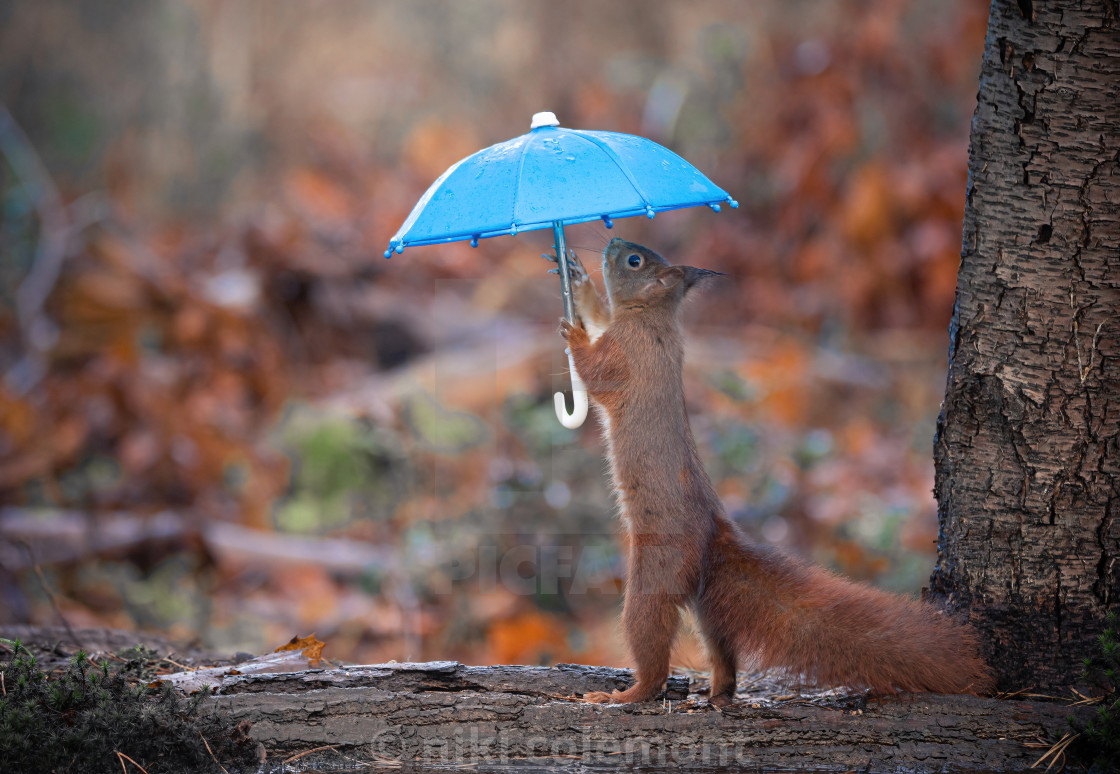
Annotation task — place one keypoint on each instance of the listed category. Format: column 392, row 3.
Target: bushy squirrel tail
column 780, row 612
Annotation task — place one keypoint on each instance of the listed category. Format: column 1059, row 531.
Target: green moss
column 1100, row 737
column 79, row 719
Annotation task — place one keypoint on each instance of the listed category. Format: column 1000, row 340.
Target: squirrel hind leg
column 650, row 618
column 723, row 658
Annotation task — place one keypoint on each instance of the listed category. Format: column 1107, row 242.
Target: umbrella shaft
column 565, row 277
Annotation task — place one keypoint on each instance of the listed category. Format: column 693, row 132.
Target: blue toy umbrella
column 545, row 179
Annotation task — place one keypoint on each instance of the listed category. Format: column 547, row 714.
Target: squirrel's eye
column 634, row 260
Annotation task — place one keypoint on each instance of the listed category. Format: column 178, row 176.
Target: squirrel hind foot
column 721, row 700
column 633, row 694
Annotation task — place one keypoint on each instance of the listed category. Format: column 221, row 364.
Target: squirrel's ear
column 689, row 275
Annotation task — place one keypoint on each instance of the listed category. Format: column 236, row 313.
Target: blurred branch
column 61, row 537
column 39, row 332
column 233, row 542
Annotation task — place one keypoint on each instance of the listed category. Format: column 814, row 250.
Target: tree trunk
column 1028, row 444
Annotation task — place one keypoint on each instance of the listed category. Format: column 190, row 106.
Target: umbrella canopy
column 548, row 178
column 550, row 175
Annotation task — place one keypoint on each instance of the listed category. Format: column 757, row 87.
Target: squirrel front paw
column 574, row 333
column 576, row 272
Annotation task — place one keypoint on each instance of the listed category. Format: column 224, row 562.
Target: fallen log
column 441, row 714
column 445, row 713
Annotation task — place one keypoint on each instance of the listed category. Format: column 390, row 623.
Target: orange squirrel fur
column 752, row 603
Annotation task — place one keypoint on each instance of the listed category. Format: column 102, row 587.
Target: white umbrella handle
column 579, row 390
column 579, row 400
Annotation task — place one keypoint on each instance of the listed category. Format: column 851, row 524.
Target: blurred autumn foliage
column 224, row 415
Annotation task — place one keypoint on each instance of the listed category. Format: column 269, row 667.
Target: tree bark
column 1027, row 451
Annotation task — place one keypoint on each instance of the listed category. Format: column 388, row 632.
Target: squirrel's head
column 637, row 276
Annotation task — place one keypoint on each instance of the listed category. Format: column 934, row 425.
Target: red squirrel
column 751, row 602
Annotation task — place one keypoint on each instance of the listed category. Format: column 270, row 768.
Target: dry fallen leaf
column 311, row 647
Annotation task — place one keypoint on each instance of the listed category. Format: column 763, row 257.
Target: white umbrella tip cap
column 547, row 118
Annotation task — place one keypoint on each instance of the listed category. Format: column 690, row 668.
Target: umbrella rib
column 517, row 181
column 609, row 152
